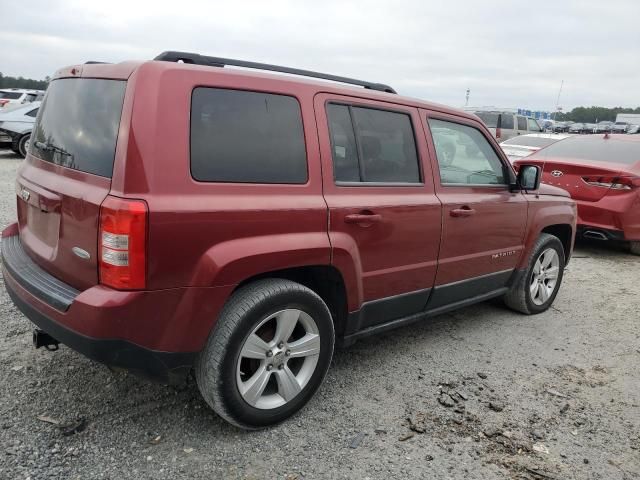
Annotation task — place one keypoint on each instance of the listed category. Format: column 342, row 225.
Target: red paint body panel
column 399, row 254
column 497, row 224
column 599, row 208
column 206, row 238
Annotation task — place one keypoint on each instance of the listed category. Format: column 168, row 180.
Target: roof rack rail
column 197, row 59
column 95, row 62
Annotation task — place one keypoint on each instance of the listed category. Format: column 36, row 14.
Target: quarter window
column 465, row 157
column 246, row 137
column 372, row 145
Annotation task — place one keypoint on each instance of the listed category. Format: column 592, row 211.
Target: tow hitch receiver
column 43, row 339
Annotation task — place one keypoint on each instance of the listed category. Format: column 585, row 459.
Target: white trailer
column 630, row 118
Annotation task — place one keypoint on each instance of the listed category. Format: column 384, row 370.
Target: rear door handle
column 462, row 212
column 363, row 218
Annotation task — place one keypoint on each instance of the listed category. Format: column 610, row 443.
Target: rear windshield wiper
column 50, row 147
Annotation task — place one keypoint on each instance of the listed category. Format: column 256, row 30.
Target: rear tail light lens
column 3, row 102
column 613, row 183
column 123, row 243
column 498, row 133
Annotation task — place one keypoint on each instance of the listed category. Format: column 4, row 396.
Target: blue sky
column 508, row 53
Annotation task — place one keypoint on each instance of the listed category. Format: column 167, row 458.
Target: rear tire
column 634, row 248
column 22, row 145
column 536, row 290
column 254, row 390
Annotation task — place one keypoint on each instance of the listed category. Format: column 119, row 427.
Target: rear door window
column 372, row 145
column 78, row 124
column 246, row 137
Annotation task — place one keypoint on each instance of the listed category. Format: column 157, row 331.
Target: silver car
column 16, row 125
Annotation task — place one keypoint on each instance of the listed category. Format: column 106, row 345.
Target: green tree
column 21, row 82
column 594, row 114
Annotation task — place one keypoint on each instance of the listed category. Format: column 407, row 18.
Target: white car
column 524, row 145
column 16, row 125
column 505, row 125
column 18, row 96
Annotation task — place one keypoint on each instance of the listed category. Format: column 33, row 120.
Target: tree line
column 594, row 114
column 21, row 82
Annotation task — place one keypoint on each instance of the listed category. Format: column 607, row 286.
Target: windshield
column 530, row 141
column 489, row 119
column 78, row 124
column 10, row 95
column 594, row 148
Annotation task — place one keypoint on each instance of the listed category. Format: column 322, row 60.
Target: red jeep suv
column 179, row 215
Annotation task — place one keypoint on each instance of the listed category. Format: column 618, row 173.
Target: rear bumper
column 618, row 217
column 153, row 333
column 165, row 367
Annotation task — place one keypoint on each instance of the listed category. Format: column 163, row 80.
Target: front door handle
column 462, row 212
column 363, row 218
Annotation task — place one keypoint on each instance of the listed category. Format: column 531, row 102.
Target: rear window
column 246, row 137
column 530, row 141
column 78, row 124
column 489, row 119
column 10, row 95
column 595, row 149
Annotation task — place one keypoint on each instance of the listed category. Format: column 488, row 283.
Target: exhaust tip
column 595, row 235
column 43, row 339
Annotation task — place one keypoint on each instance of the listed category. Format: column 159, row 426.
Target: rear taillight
column 123, row 243
column 498, row 133
column 3, row 102
column 614, row 183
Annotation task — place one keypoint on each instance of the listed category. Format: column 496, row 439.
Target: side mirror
column 529, row 177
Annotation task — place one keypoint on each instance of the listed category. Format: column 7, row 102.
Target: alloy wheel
column 544, row 278
column 278, row 358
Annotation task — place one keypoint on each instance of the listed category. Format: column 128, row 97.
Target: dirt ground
column 482, row 393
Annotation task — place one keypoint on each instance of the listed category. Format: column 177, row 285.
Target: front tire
column 536, row 290
column 268, row 353
column 634, row 248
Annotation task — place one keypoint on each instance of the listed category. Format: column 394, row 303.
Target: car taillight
column 3, row 102
column 614, row 183
column 123, row 243
column 498, row 133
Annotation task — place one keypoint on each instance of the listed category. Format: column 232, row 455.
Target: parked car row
column 600, row 127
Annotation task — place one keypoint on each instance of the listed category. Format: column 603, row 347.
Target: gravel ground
column 481, row 393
